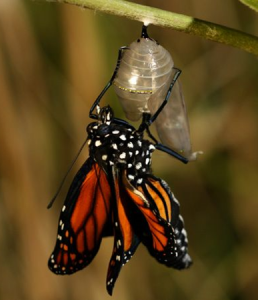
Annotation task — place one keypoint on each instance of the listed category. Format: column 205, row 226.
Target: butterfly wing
column 83, row 219
column 158, row 222
column 169, row 210
column 125, row 240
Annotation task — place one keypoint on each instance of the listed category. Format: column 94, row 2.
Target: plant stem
column 151, row 15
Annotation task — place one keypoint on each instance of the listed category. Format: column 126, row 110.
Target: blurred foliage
column 54, row 60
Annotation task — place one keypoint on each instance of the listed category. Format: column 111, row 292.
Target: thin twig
column 151, row 15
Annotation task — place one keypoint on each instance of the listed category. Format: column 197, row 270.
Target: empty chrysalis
column 143, row 85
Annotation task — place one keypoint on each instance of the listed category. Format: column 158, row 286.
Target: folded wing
column 125, row 240
column 83, row 219
column 158, row 222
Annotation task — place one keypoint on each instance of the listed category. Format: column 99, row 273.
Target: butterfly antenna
column 66, row 174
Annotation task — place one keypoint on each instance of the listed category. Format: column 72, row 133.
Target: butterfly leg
column 171, row 152
column 108, row 85
column 145, row 126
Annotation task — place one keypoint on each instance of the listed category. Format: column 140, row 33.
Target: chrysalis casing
column 172, row 123
column 144, row 69
column 145, row 74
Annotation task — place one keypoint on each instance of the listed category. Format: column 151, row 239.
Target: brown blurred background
column 54, row 60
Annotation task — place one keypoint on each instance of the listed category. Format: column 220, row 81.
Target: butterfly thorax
column 119, row 145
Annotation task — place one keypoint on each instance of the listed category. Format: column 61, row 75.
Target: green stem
column 207, row 30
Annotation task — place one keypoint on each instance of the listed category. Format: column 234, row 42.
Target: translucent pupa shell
column 144, row 68
column 172, row 123
column 144, row 76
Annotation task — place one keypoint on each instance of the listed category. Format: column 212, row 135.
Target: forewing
column 82, row 220
column 125, row 240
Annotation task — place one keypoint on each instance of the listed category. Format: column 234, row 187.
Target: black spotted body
column 124, row 147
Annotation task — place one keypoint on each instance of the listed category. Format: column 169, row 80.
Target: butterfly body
column 115, row 193
column 124, row 147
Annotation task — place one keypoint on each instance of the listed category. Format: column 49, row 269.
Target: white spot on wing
column 139, row 181
column 184, row 232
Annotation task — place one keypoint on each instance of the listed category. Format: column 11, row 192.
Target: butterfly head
column 106, row 115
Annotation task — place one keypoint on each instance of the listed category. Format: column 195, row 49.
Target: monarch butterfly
column 142, row 83
column 115, row 194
